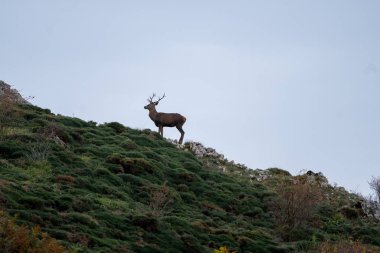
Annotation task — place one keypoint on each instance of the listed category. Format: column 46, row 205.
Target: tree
column 296, row 206
column 375, row 186
column 160, row 200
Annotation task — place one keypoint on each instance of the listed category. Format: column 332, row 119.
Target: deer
column 162, row 120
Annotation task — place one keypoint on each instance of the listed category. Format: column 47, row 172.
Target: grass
column 110, row 188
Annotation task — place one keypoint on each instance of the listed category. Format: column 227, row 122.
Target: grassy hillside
column 109, row 188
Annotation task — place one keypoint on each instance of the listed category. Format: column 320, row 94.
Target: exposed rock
column 318, row 178
column 260, row 175
column 198, row 149
column 371, row 208
column 6, row 91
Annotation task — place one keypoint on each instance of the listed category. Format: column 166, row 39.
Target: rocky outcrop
column 201, row 151
column 219, row 161
column 6, row 92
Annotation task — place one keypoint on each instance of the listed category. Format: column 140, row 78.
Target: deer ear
column 156, row 103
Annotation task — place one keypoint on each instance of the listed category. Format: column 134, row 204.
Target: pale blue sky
column 288, row 84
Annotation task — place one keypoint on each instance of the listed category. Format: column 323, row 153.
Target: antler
column 159, row 99
column 150, row 99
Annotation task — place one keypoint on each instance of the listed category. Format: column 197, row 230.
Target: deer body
column 162, row 120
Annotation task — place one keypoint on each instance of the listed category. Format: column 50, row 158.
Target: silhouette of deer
column 162, row 120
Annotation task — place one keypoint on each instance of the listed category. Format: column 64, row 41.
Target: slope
column 110, row 188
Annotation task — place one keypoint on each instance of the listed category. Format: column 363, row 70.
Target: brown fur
column 162, row 120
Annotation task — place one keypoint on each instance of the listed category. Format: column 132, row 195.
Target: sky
column 291, row 84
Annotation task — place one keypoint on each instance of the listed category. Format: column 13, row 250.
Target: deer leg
column 182, row 133
column 161, row 130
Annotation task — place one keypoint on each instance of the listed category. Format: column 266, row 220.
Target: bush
column 38, row 151
column 16, row 238
column 223, row 249
column 119, row 128
column 160, row 200
column 56, row 132
column 147, row 223
column 344, row 246
column 63, row 203
column 136, row 181
column 129, row 145
column 82, row 219
column 133, row 166
column 11, row 149
column 296, row 207
column 349, row 213
column 32, row 202
column 192, row 244
column 83, row 204
column 65, row 179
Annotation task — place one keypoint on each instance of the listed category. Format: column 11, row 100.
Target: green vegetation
column 14, row 238
column 109, row 188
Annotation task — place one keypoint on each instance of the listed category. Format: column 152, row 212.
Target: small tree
column 160, row 200
column 296, row 206
column 372, row 205
column 375, row 186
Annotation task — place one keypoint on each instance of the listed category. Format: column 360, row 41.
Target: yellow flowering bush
column 223, row 249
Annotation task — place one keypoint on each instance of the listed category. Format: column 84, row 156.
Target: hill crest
column 110, row 188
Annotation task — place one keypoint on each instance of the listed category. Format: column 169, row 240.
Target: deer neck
column 153, row 114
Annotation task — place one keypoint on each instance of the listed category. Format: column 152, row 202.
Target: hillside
column 110, row 188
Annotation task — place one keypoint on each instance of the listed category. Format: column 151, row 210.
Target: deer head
column 152, row 105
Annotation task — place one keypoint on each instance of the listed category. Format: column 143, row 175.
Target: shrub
column 82, row 219
column 134, row 166
column 101, row 172
column 192, row 166
column 182, row 188
column 145, row 222
column 146, row 142
column 254, row 213
column 349, row 213
column 63, row 203
column 65, row 179
column 192, row 244
column 83, row 204
column 375, row 186
column 160, row 200
column 295, row 207
column 32, row 202
column 72, row 122
column 78, row 238
column 7, row 107
column 16, row 238
column 55, row 132
column 11, row 149
column 134, row 180
column 129, row 145
column 119, row 128
column 223, row 249
column 38, row 151
column 344, row 246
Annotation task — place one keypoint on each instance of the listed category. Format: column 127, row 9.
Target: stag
column 162, row 120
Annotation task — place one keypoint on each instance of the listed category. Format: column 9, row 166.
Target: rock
column 6, row 91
